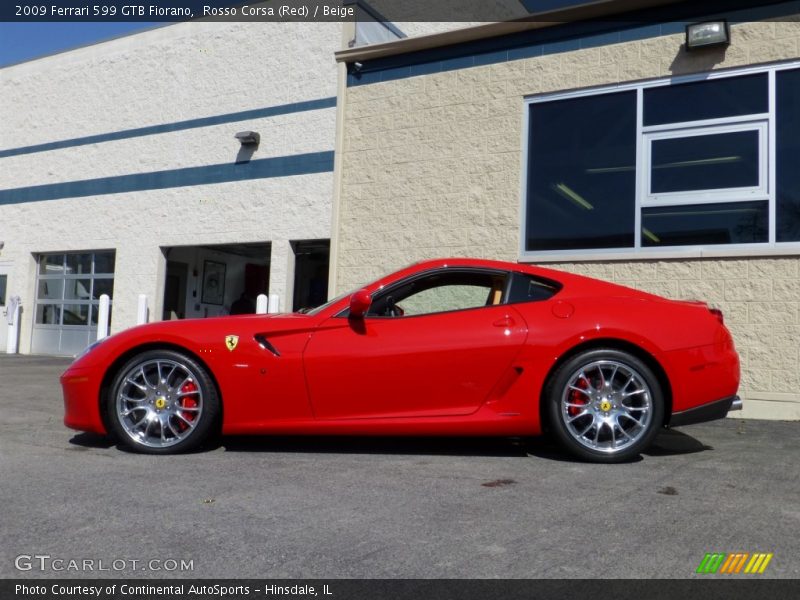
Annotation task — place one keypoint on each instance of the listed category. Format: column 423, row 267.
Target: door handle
column 506, row 321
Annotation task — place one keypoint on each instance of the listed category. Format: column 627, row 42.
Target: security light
column 708, row 34
column 248, row 138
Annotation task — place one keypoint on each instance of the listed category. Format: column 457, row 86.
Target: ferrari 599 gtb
column 445, row 347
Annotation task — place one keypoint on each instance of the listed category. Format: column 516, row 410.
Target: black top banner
column 402, row 589
column 472, row 11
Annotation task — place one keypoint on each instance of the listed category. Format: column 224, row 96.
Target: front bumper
column 707, row 412
column 81, row 399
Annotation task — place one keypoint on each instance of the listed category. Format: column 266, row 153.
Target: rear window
column 527, row 288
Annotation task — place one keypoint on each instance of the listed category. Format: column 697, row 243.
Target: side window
column 440, row 292
column 3, row 281
column 526, row 288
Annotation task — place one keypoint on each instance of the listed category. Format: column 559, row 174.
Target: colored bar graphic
column 710, row 563
column 732, row 563
column 758, row 563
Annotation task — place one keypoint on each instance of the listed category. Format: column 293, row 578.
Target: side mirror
column 359, row 304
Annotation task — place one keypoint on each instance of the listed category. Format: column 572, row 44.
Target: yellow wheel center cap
column 605, row 406
column 161, row 402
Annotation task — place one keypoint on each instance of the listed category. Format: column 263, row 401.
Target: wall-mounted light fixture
column 248, row 138
column 708, row 34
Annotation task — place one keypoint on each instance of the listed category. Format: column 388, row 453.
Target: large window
column 705, row 161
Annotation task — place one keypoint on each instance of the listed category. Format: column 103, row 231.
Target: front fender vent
column 266, row 345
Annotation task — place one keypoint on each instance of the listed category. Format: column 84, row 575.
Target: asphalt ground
column 384, row 508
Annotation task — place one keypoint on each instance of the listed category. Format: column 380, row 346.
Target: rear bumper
column 707, row 412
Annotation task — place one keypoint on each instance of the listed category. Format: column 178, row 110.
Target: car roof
column 488, row 264
column 578, row 285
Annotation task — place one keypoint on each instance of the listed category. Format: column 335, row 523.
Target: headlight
column 89, row 348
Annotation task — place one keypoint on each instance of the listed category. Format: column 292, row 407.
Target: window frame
column 686, row 131
column 389, row 288
column 767, row 121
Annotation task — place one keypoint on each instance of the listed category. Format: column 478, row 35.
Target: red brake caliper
column 576, row 397
column 188, row 401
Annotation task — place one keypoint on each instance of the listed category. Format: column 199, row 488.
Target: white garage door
column 68, row 289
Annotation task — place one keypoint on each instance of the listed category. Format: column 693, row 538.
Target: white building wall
column 160, row 77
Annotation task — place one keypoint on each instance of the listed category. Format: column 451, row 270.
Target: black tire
column 162, row 402
column 610, row 409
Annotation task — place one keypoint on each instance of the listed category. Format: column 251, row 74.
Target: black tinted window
column 728, row 223
column 788, row 151
column 705, row 162
column 526, row 288
column 582, row 173
column 729, row 97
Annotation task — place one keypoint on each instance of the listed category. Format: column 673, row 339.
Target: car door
column 433, row 345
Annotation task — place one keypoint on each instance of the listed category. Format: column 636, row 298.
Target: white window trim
column 711, row 195
column 770, row 248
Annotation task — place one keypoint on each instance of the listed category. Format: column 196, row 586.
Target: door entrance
column 311, row 258
column 4, row 293
column 214, row 280
column 175, row 291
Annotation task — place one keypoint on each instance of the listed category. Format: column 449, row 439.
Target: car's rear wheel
column 605, row 405
column 162, row 402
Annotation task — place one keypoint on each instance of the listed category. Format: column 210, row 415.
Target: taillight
column 717, row 313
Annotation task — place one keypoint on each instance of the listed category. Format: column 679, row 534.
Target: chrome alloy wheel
column 159, row 402
column 606, row 406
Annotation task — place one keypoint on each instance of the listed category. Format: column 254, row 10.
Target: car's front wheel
column 605, row 405
column 162, row 402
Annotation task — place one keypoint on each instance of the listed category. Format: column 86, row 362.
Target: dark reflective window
column 76, row 314
column 104, row 262
column 48, row 314
column 581, row 173
column 102, row 286
column 728, row 97
column 3, row 283
column 50, row 289
column 78, row 289
column 79, row 264
column 705, row 162
column 51, row 264
column 526, row 288
column 788, row 156
column 728, row 223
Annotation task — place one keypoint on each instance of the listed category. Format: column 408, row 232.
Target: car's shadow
column 91, row 440
column 445, row 446
column 671, row 442
column 668, row 443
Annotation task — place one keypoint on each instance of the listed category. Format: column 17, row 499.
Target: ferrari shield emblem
column 231, row 341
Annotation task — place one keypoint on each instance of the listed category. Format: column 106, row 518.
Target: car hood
column 193, row 333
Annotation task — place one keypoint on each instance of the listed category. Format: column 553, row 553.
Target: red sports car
column 444, row 347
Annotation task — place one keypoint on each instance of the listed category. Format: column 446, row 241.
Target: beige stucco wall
column 431, row 166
